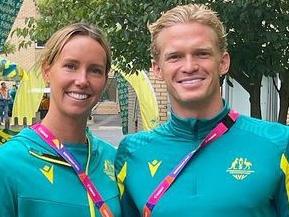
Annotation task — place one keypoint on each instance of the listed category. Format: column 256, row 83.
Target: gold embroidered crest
column 109, row 169
column 240, row 168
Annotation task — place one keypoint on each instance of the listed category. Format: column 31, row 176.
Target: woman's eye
column 70, row 66
column 97, row 71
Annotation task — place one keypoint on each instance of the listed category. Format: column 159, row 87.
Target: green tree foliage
column 257, row 33
column 258, row 44
column 8, row 48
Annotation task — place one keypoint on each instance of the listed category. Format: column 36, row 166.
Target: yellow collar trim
column 49, row 159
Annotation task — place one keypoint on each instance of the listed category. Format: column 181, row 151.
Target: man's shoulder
column 139, row 135
column 271, row 131
column 262, row 123
column 135, row 142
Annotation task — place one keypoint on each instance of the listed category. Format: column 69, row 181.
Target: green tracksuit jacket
column 244, row 173
column 35, row 182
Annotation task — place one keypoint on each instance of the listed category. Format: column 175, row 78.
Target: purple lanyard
column 54, row 143
column 217, row 132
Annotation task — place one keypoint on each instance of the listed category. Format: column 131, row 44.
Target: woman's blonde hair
column 55, row 44
column 187, row 14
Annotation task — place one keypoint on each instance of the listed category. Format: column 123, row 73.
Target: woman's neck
column 66, row 129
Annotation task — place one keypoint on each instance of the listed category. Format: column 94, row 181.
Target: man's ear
column 224, row 63
column 157, row 70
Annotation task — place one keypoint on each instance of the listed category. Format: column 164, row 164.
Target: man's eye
column 174, row 57
column 203, row 54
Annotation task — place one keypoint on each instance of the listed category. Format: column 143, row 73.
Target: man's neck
column 198, row 110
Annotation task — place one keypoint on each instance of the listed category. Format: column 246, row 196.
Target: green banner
column 8, row 12
column 122, row 86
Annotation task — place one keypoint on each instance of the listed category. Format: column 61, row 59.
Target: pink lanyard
column 54, row 143
column 222, row 127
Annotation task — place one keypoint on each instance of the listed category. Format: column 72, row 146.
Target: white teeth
column 78, row 95
column 191, row 81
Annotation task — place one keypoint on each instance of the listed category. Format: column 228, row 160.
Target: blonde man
column 206, row 160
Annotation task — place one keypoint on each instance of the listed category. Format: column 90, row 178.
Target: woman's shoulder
column 12, row 146
column 18, row 146
column 13, row 153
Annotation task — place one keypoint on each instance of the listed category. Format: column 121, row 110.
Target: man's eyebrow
column 204, row 49
column 172, row 53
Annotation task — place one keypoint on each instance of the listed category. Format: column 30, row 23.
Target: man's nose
column 190, row 65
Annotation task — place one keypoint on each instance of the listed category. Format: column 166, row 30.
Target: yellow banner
column 146, row 98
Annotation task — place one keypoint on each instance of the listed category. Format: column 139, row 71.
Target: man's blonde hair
column 187, row 14
column 55, row 44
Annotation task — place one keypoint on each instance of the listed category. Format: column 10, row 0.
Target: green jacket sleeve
column 282, row 201
column 121, row 167
column 128, row 207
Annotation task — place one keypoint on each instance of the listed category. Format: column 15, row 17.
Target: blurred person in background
column 4, row 102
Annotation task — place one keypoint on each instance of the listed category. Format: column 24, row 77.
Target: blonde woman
column 58, row 167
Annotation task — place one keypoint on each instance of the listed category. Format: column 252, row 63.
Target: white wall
column 238, row 98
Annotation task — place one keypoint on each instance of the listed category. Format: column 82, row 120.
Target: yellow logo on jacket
column 154, row 166
column 121, row 177
column 240, row 168
column 47, row 171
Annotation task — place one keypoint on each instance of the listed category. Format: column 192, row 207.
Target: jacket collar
column 192, row 128
column 38, row 148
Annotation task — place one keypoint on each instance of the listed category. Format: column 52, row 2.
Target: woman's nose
column 81, row 78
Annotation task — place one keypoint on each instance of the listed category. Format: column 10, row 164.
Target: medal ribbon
column 221, row 128
column 54, row 143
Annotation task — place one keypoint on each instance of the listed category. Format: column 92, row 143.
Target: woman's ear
column 45, row 72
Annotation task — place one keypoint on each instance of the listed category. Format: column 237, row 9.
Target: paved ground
column 107, row 127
